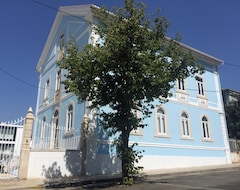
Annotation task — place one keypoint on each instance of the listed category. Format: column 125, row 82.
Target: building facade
column 10, row 147
column 189, row 130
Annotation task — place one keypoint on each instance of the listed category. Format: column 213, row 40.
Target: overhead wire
column 18, row 79
column 58, row 10
column 35, row 86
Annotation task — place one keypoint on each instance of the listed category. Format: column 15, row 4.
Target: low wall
column 53, row 164
column 235, row 156
column 152, row 163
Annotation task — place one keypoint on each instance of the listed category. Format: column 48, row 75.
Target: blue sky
column 211, row 26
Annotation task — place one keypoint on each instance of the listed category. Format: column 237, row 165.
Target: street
column 206, row 180
column 227, row 178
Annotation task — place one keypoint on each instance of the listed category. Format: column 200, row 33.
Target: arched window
column 43, row 128
column 55, row 130
column 69, row 121
column 55, row 119
column 205, row 128
column 185, row 125
column 161, row 123
column 47, row 89
column 58, row 80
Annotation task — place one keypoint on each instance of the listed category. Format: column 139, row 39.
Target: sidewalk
column 12, row 184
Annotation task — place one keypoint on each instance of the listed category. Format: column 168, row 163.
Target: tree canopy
column 131, row 64
column 233, row 118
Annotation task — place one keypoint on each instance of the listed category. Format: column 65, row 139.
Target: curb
column 191, row 171
column 104, row 181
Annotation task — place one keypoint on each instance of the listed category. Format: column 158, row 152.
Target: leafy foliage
column 233, row 118
column 130, row 64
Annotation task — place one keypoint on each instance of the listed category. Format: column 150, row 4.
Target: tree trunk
column 125, row 154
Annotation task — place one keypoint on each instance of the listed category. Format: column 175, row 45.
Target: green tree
column 233, row 118
column 132, row 64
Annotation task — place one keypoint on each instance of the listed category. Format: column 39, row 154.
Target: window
column 61, row 47
column 69, row 121
column 200, row 86
column 61, row 42
column 43, row 133
column 47, row 89
column 43, row 129
column 58, row 80
column 55, row 131
column 181, row 90
column 181, row 84
column 185, row 128
column 137, row 130
column 205, row 128
column 161, row 123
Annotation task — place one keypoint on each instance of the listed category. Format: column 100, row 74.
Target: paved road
column 221, row 179
column 218, row 180
column 213, row 180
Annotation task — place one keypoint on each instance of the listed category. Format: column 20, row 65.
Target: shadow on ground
column 86, row 184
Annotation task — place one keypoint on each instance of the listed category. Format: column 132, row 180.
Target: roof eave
column 75, row 10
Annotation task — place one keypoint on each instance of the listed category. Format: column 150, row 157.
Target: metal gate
column 10, row 147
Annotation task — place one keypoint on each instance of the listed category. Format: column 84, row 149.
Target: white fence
column 234, row 145
column 10, row 147
column 50, row 136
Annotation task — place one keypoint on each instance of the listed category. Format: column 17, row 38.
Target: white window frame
column 69, row 119
column 161, row 123
column 43, row 128
column 61, row 47
column 138, row 130
column 200, row 86
column 58, row 80
column 201, row 92
column 206, row 132
column 181, row 89
column 47, row 89
column 181, row 84
column 55, row 131
column 186, row 131
column 61, row 42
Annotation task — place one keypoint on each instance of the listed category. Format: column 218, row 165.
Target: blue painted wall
column 173, row 145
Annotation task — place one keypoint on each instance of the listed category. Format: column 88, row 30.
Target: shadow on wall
column 53, row 171
column 73, row 162
column 100, row 157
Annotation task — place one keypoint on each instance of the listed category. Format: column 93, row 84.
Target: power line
column 34, row 86
column 58, row 10
column 18, row 79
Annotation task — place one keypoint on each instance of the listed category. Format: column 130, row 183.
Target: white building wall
column 156, row 163
column 47, row 164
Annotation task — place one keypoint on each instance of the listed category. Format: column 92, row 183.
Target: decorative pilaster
column 25, row 149
column 83, row 147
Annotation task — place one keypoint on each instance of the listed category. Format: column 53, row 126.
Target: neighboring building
column 232, row 116
column 229, row 96
column 189, row 130
column 10, row 147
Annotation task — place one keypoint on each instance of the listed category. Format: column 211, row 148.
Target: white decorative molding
column 164, row 145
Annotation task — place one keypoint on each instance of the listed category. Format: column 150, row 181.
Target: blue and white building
column 189, row 130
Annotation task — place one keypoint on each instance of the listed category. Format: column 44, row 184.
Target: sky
column 211, row 26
